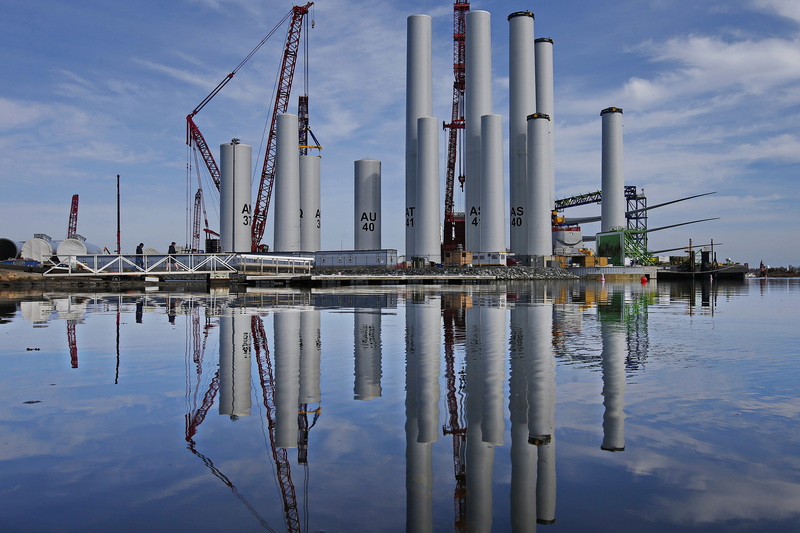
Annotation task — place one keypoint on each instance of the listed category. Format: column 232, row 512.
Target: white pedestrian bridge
column 177, row 265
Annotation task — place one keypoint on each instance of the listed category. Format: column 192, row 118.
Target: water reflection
column 482, row 368
column 367, row 349
column 234, row 366
column 422, row 342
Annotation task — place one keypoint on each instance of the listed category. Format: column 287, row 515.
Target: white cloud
column 785, row 8
column 20, row 114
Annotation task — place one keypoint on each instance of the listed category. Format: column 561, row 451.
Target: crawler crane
column 196, row 140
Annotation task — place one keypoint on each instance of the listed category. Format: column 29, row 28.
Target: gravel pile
column 501, row 273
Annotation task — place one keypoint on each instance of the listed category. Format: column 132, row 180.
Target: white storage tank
column 41, row 248
column 73, row 247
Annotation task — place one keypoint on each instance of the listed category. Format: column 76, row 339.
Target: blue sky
column 710, row 92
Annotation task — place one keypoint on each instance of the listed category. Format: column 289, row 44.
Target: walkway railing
column 176, row 264
column 260, row 265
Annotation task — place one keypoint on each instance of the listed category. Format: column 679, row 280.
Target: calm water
column 567, row 406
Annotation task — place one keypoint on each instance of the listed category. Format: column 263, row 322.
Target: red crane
column 72, row 226
column 261, row 209
column 454, row 327
column 72, row 230
column 195, row 139
column 454, row 222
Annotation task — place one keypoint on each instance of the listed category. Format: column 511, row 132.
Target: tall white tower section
column 428, row 242
column 419, row 103
column 612, row 212
column 235, row 197
column 492, row 227
column 287, row 184
column 478, row 102
column 522, row 102
column 310, row 220
column 545, row 100
column 540, row 239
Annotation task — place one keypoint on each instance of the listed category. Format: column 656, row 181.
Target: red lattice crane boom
column 452, row 235
column 72, row 230
column 261, row 209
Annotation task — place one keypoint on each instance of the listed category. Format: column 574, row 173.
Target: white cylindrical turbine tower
column 428, row 220
column 367, row 215
column 287, row 184
column 478, row 102
column 419, row 103
column 612, row 211
column 10, row 249
column 492, row 191
column 545, row 101
column 310, row 221
column 540, row 236
column 235, row 211
column 522, row 102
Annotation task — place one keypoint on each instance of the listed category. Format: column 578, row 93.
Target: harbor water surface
column 557, row 406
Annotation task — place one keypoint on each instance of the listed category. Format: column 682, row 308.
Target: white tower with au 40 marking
column 367, row 227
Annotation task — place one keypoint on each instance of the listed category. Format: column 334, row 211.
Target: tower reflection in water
column 423, row 342
column 234, row 365
column 367, row 351
column 532, row 405
column 483, row 332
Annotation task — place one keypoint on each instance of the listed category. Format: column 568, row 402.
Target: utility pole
column 119, row 247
